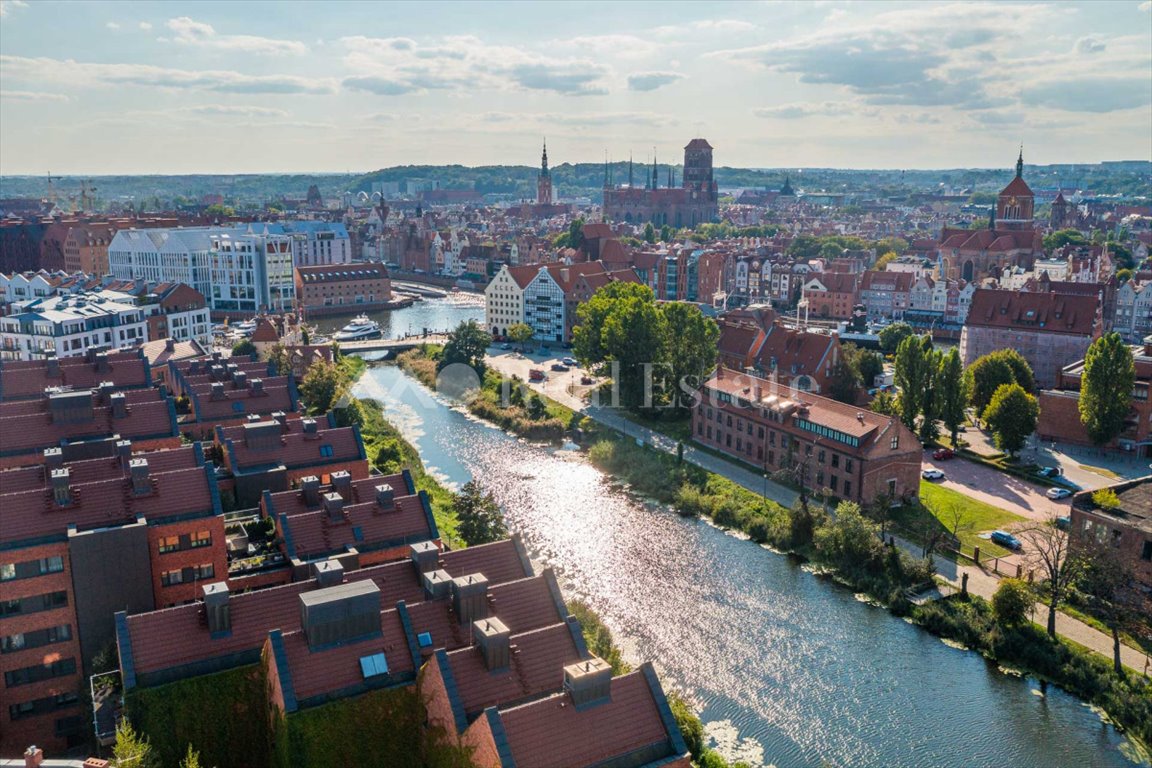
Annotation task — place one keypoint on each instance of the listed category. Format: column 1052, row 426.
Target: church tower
column 1059, row 217
column 544, row 181
column 1015, row 206
column 698, row 170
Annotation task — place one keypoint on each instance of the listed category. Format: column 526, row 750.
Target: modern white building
column 68, row 325
column 242, row 269
column 315, row 242
column 544, row 306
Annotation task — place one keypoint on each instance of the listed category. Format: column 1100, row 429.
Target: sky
column 261, row 87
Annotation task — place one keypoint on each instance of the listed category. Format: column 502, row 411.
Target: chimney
column 33, row 756
column 141, row 481
column 261, row 435
column 470, row 598
column 328, row 573
column 61, row 493
column 385, row 497
column 90, row 354
column 169, row 344
column 310, row 487
column 334, row 506
column 492, row 637
column 340, row 613
column 437, row 584
column 124, row 453
column 53, row 457
column 194, row 367
column 588, row 682
column 425, row 556
column 216, row 605
column 309, row 426
column 52, row 366
column 256, row 387
column 342, row 484
column 106, row 388
column 252, row 418
column 239, row 380
column 216, row 372
column 102, row 364
column 119, row 405
column 230, row 368
column 217, row 391
column 279, row 417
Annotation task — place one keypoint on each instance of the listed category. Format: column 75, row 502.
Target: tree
column 576, row 234
column 951, row 393
column 243, row 348
column 636, row 337
column 520, row 334
column 279, row 359
column 587, row 336
column 692, row 356
column 849, row 539
column 665, row 234
column 883, row 261
column 869, row 364
column 830, row 251
column 988, row 373
column 892, row 335
column 844, row 383
column 1106, row 388
column 537, row 410
column 132, row 749
column 479, row 516
column 1011, row 602
column 1049, row 551
column 1063, row 237
column 467, row 344
column 1012, row 416
column 911, row 372
column 191, row 759
column 886, row 245
column 322, row 386
column 929, row 399
column 885, row 403
column 649, row 233
column 1109, row 582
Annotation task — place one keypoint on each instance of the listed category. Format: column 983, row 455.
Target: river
column 787, row 668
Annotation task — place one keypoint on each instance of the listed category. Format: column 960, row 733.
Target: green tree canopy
column 988, row 373
column 1106, row 388
column 892, row 335
column 1012, row 415
column 467, row 344
column 649, row 233
column 693, row 355
column 952, row 395
column 480, row 519
column 520, row 333
column 322, row 386
column 1012, row 602
column 636, row 337
column 883, row 260
column 587, row 336
column 1063, row 237
column 885, row 403
column 912, row 372
column 243, row 348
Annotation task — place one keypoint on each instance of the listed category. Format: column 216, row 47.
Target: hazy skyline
column 147, row 87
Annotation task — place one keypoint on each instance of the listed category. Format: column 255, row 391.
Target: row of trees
column 657, row 353
column 932, row 388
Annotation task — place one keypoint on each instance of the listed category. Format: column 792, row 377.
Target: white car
column 932, row 474
column 1058, row 493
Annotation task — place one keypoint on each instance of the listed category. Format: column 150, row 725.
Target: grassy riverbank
column 503, row 401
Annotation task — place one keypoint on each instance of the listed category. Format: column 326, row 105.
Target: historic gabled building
column 694, row 202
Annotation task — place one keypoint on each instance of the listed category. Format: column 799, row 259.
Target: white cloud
column 197, row 33
column 799, row 111
column 112, row 25
column 650, row 81
column 619, row 46
column 724, row 26
column 32, row 96
column 244, row 110
column 7, row 6
column 1091, row 44
column 1145, row 6
column 399, row 65
column 145, row 26
column 72, row 72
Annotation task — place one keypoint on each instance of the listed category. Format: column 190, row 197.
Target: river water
column 787, row 668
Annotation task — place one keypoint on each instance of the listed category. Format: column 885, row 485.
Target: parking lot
column 996, row 488
column 562, row 386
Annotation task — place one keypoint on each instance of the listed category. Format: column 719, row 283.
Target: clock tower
column 544, row 180
column 1016, row 203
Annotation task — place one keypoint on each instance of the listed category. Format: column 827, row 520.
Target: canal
column 787, row 668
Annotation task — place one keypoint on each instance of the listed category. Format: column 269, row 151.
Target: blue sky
column 242, row 87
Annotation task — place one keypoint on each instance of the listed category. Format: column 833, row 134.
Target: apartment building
column 66, row 325
column 346, row 288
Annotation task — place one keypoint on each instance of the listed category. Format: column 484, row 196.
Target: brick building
column 832, row 294
column 854, row 454
column 342, row 288
column 694, row 202
column 752, row 340
column 1128, row 527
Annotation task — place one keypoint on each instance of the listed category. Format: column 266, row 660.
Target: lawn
column 934, row 513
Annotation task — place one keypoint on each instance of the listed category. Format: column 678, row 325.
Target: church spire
column 1020, row 163
column 544, row 160
column 655, row 178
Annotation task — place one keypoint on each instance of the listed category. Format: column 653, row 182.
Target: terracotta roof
column 739, row 340
column 25, row 379
column 836, row 282
column 551, row 733
column 157, row 352
column 365, row 526
column 996, row 240
column 1017, row 188
column 536, row 664
column 698, row 144
column 33, row 432
column 796, row 351
column 1036, row 312
column 363, row 490
column 265, row 332
column 92, row 470
column 296, row 449
column 887, row 281
column 278, row 395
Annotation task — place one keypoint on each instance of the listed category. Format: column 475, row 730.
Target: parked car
column 932, row 474
column 586, row 380
column 1058, row 493
column 535, row 374
column 1051, row 472
column 571, row 361
column 1006, row 540
column 943, row 454
column 505, row 345
column 1064, row 523
column 559, row 367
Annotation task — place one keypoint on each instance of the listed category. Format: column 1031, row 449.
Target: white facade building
column 504, row 299
column 243, row 269
column 315, row 242
column 545, row 306
column 68, row 325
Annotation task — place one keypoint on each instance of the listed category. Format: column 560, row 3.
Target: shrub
column 1106, row 498
column 1011, row 603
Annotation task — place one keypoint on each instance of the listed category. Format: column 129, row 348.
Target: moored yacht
column 362, row 327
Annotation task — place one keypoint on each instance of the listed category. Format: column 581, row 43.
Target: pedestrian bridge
column 392, row 345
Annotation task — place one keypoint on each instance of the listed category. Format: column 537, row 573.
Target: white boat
column 245, row 327
column 361, row 328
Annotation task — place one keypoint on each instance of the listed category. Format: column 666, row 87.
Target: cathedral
column 692, row 203
column 1011, row 238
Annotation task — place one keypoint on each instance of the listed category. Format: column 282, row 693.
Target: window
column 892, row 488
column 238, row 406
column 7, row 571
column 847, row 465
column 847, row 488
column 424, row 639
column 171, row 578
column 832, row 481
column 36, row 638
column 835, row 460
column 326, row 451
column 895, row 442
column 1146, row 554
column 169, row 544
column 200, row 539
column 26, row 675
column 371, row 666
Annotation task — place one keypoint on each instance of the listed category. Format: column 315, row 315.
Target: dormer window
column 895, row 442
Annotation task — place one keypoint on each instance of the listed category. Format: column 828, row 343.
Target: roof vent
column 385, row 496
column 279, row 417
column 102, row 364
column 334, row 506
column 256, row 387
column 169, row 345
column 588, row 682
column 124, row 453
column 309, row 427
column 194, row 367
column 328, row 573
column 54, row 457
column 216, row 606
column 310, row 488
column 470, row 598
column 342, row 484
column 424, row 555
column 340, row 613
column 437, row 584
column 52, row 366
column 119, row 405
column 217, row 391
column 141, row 481
column 106, row 388
column 493, row 639
column 216, row 372
column 61, row 493
column 239, row 380
column 252, row 418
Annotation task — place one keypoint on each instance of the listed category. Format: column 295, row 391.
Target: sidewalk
column 980, row 582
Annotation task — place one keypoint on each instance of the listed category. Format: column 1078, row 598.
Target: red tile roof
column 551, row 733
column 32, row 432
column 1037, row 312
column 23, row 379
column 365, row 526
column 296, row 449
column 91, row 470
column 363, row 491
column 1017, row 188
column 277, row 396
